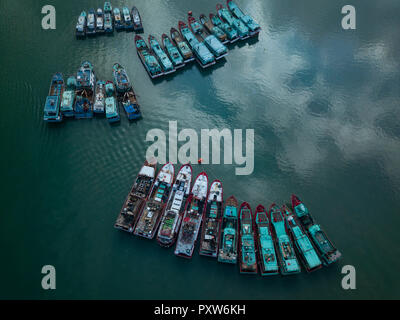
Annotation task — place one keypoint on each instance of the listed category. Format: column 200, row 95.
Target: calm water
column 324, row 104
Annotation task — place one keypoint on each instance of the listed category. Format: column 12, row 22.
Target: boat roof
column 200, row 186
column 216, row 191
column 147, row 171
column 166, row 173
column 51, row 104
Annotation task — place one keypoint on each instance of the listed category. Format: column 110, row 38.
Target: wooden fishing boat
column 100, row 97
column 80, row 29
column 136, row 199
column 247, row 244
column 151, row 213
column 210, row 234
column 228, row 244
column 126, row 15
column 91, row 23
column 212, row 29
column 325, row 248
column 68, row 98
column 108, row 23
column 226, row 16
column 165, row 62
column 148, row 59
column 130, row 105
column 173, row 52
column 172, row 217
column 85, row 91
column 121, row 79
column 52, row 112
column 253, row 26
column 230, row 32
column 118, row 24
column 137, row 20
column 111, row 103
column 99, row 21
column 182, row 46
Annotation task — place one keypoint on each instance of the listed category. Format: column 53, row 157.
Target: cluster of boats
column 203, row 40
column 175, row 212
column 104, row 21
column 82, row 96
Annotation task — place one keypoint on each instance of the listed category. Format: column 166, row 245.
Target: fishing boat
column 100, row 97
column 253, row 26
column 121, row 79
column 172, row 217
column 203, row 56
column 195, row 206
column 99, row 21
column 326, row 249
column 133, row 204
column 152, row 211
column 68, row 98
column 182, row 46
column 118, row 24
column 287, row 258
column 137, row 20
column 230, row 32
column 228, row 247
column 247, row 246
column 212, row 221
column 212, row 29
column 214, row 45
column 149, row 61
column 128, row 24
column 108, row 23
column 173, row 52
column 107, row 7
column 111, row 103
column 91, row 23
column 52, row 112
column 302, row 243
column 265, row 243
column 85, row 88
column 226, row 15
column 80, row 29
column 162, row 57
column 130, row 105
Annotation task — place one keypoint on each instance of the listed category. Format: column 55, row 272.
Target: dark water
column 324, row 104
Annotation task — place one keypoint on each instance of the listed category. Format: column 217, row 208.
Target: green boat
column 235, row 23
column 148, row 59
column 111, row 103
column 253, row 26
column 172, row 52
column 303, row 245
column 247, row 246
column 212, row 29
column 231, row 33
column 162, row 57
column 68, row 98
column 229, row 232
column 286, row 255
column 328, row 252
column 268, row 261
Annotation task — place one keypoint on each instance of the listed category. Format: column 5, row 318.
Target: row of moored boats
column 203, row 40
column 175, row 212
column 83, row 96
column 108, row 19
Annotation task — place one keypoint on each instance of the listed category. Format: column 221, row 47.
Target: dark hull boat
column 302, row 243
column 130, row 105
column 195, row 206
column 203, row 55
column 247, row 246
column 210, row 234
column 328, row 252
column 52, row 111
column 165, row 62
column 136, row 199
column 148, row 59
column 285, row 251
column 172, row 217
column 118, row 24
column 99, row 21
column 253, row 26
column 212, row 29
column 85, row 91
column 121, row 79
column 265, row 243
column 99, row 102
column 152, row 211
column 80, row 30
column 127, row 18
column 68, row 98
column 228, row 248
column 111, row 103
column 137, row 20
column 226, row 16
column 182, row 46
column 173, row 52
column 91, row 23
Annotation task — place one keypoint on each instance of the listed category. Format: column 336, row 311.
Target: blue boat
column 166, row 63
column 86, row 81
column 137, row 20
column 118, row 24
column 127, row 19
column 149, row 61
column 107, row 7
column 235, row 23
column 286, row 255
column 203, row 56
column 91, row 23
column 305, row 249
column 121, row 79
column 68, row 98
column 212, row 29
column 112, row 113
column 130, row 105
column 172, row 52
column 99, row 21
column 81, row 25
column 108, row 23
column 52, row 111
column 216, row 47
column 268, row 260
column 231, row 33
column 182, row 46
column 253, row 26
